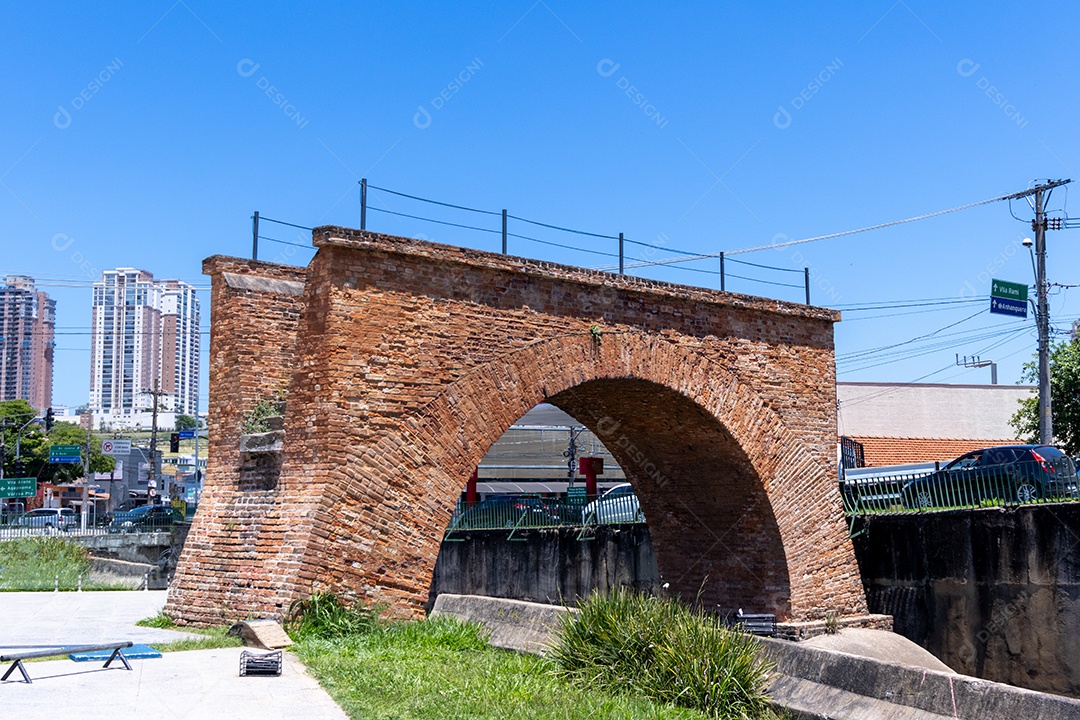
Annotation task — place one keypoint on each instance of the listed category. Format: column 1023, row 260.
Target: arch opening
column 711, row 530
column 715, row 535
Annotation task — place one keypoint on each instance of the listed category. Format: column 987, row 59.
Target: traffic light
column 20, row 468
column 49, row 419
column 174, row 442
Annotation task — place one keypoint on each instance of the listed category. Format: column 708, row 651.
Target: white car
column 617, row 505
column 48, row 518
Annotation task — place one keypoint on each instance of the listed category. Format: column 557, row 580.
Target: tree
column 185, row 422
column 14, row 415
column 33, row 444
column 1065, row 395
column 64, row 433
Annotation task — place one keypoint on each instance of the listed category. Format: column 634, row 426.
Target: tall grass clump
column 324, row 615
column 627, row 642
column 39, row 562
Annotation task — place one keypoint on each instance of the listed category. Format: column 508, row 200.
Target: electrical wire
column 868, row 228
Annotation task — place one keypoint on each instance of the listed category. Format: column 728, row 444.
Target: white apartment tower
column 145, row 335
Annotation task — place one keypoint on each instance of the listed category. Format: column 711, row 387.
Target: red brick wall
column 224, row 571
column 412, row 358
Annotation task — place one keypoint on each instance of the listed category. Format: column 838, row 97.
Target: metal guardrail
column 1010, row 484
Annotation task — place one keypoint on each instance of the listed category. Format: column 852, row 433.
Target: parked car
column 618, row 505
column 1010, row 473
column 48, row 518
column 105, row 519
column 145, row 518
column 504, row 511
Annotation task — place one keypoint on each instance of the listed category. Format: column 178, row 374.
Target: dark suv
column 146, row 518
column 1010, row 473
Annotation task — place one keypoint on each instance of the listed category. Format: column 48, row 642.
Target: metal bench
column 16, row 658
column 760, row 624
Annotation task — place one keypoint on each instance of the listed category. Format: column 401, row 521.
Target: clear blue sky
column 143, row 134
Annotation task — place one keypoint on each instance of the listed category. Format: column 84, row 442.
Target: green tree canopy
column 33, row 445
column 185, row 422
column 1064, row 394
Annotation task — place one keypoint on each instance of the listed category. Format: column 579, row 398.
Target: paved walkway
column 196, row 684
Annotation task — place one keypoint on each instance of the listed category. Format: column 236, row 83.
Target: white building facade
column 145, row 337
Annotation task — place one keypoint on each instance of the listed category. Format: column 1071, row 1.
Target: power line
column 788, row 243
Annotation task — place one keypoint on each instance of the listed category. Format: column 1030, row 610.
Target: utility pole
column 151, row 473
column 85, row 510
column 1041, row 193
column 571, row 454
column 1046, row 419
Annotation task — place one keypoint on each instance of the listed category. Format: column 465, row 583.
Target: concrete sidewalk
column 195, row 684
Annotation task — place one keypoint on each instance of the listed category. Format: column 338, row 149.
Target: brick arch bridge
column 404, row 361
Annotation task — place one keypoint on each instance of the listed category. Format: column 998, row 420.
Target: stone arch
column 780, row 564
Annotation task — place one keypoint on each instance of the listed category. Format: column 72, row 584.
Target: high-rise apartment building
column 145, row 336
column 27, row 322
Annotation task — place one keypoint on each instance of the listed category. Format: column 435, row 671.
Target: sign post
column 1008, row 298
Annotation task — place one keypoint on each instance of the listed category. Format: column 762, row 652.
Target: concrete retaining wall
column 812, row 683
column 992, row 593
column 555, row 566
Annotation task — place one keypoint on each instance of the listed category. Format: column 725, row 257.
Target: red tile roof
column 881, row 451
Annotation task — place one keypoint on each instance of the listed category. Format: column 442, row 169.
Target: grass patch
column 325, row 615
column 162, row 620
column 627, row 642
column 212, row 638
column 443, row 668
column 43, row 562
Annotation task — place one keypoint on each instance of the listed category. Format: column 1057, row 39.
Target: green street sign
column 576, row 495
column 65, row 450
column 22, row 487
column 1009, row 290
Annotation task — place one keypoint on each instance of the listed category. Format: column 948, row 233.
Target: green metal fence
column 964, row 487
column 524, row 511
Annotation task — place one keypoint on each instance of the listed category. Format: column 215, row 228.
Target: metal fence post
column 721, row 272
column 255, row 236
column 363, row 203
column 504, row 231
column 806, row 277
column 620, row 253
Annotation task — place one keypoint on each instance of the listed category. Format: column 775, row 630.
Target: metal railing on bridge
column 20, row 524
column 525, row 511
column 925, row 488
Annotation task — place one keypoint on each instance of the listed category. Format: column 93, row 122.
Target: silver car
column 617, row 505
column 48, row 518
